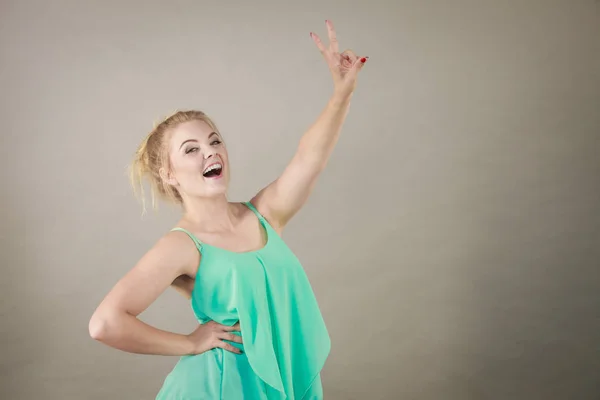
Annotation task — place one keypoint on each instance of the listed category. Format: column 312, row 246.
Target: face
column 199, row 161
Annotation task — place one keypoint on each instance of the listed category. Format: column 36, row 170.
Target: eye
column 215, row 142
column 191, row 150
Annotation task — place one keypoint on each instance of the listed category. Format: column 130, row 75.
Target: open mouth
column 213, row 171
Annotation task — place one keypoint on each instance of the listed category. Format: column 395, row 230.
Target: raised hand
column 344, row 67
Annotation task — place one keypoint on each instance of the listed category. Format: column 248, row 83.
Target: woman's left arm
column 283, row 198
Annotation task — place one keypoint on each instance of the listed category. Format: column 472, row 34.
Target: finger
column 350, row 55
column 318, row 42
column 333, row 42
column 358, row 64
column 229, row 347
column 232, row 337
column 213, row 325
column 228, row 328
column 348, row 59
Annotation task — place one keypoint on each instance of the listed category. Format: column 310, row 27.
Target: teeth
column 214, row 166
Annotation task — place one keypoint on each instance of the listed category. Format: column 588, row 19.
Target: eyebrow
column 194, row 140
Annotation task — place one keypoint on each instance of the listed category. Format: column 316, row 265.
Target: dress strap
column 254, row 210
column 197, row 242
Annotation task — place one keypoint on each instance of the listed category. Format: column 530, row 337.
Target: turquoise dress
column 286, row 342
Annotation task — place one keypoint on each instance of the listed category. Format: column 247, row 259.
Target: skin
column 173, row 259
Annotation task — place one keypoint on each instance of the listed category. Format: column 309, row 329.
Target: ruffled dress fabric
column 285, row 340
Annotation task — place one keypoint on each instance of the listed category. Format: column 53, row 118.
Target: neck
column 210, row 214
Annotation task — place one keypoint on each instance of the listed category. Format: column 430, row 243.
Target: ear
column 167, row 177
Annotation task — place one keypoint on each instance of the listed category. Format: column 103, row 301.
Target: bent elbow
column 97, row 327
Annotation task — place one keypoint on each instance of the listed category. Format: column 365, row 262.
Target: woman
column 261, row 334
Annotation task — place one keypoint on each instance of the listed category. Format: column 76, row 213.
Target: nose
column 210, row 152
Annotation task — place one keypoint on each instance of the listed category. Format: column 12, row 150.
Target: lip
column 213, row 163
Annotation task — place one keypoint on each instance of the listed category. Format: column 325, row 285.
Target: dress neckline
column 262, row 248
column 263, row 224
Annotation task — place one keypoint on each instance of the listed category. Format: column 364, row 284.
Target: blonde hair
column 152, row 155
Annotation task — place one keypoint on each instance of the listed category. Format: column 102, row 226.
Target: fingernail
column 364, row 59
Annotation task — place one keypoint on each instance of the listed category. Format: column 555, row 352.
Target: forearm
column 316, row 145
column 128, row 333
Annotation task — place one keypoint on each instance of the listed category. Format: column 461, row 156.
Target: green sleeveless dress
column 286, row 342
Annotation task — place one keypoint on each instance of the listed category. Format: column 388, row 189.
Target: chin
column 217, row 190
column 216, row 184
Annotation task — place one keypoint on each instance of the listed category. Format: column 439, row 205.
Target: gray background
column 453, row 241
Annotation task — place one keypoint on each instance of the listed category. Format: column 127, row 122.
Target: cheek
column 225, row 157
column 186, row 167
column 227, row 166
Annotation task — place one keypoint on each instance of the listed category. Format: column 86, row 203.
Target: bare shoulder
column 261, row 203
column 178, row 247
column 172, row 255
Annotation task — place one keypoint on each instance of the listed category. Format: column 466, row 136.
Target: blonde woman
column 260, row 334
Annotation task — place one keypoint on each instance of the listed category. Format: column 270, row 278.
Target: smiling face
column 199, row 164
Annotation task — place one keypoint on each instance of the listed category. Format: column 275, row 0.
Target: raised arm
column 282, row 199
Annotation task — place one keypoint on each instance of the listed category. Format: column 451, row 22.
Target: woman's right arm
column 115, row 321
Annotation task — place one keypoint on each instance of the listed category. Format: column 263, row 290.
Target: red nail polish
column 363, row 60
